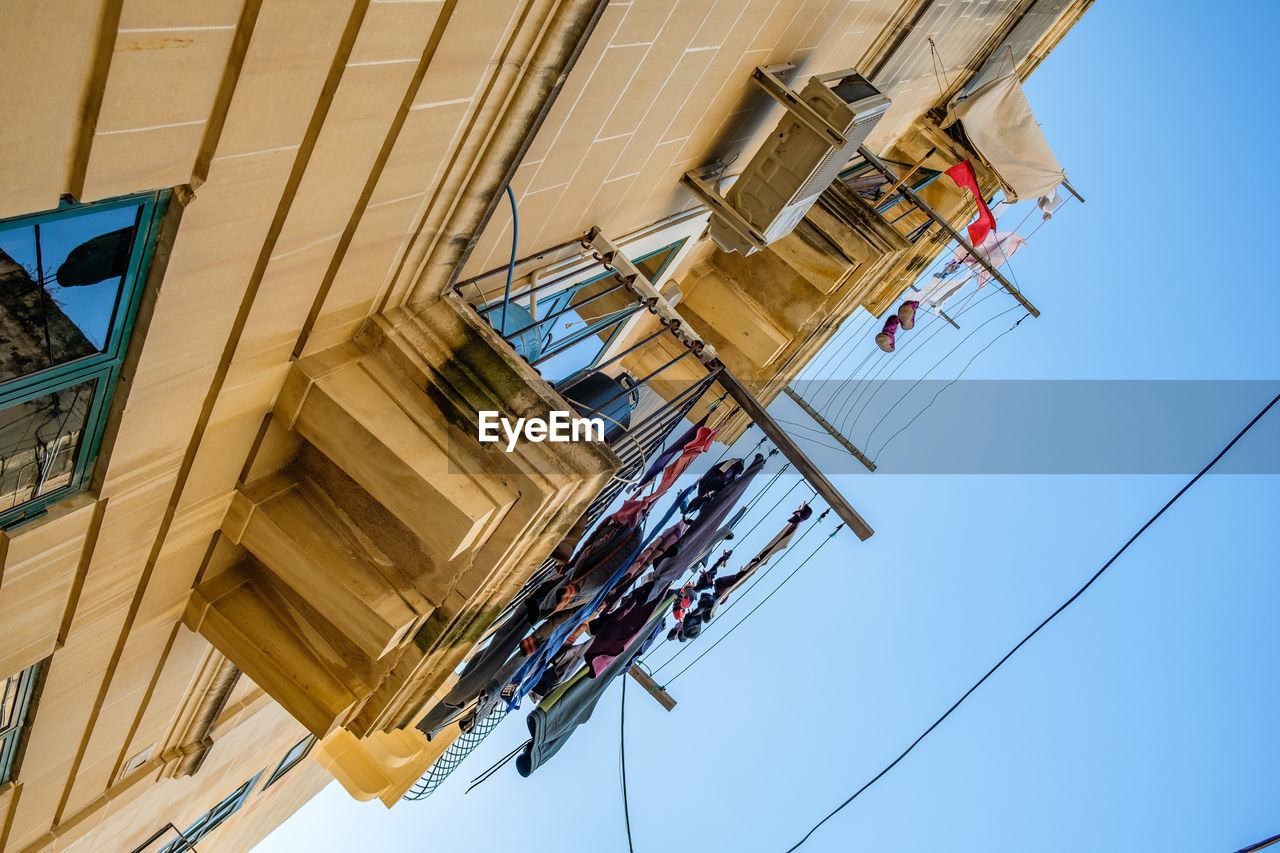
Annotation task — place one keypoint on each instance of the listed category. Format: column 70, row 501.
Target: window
column 15, row 716
column 70, row 282
column 601, row 319
column 210, row 820
column 296, row 753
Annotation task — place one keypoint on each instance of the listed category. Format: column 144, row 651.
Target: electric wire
column 622, row 760
column 1081, row 591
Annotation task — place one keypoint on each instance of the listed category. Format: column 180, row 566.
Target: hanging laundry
column 713, row 591
column 1049, row 204
column 614, row 630
column 696, row 446
column 663, row 546
column 530, row 672
column 998, row 248
column 942, row 286
column 962, row 174
column 998, row 121
column 726, row 586
column 715, row 478
column 634, row 509
column 712, row 525
column 672, row 451
column 569, row 705
column 592, row 570
column 598, row 558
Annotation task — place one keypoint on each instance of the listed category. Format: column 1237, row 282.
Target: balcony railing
column 588, row 288
column 577, row 346
column 875, row 189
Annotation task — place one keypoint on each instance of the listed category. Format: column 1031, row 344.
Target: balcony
column 357, row 568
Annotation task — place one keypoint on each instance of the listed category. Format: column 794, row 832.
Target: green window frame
column 296, row 753
column 34, row 472
column 17, row 706
column 211, row 819
column 564, row 298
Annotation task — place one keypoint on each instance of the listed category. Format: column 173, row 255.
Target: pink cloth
column 700, row 443
column 998, row 248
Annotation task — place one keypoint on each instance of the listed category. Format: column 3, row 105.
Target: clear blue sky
column 1143, row 719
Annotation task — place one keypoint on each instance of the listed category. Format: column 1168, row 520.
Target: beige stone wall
column 335, row 159
column 323, row 139
column 663, row 87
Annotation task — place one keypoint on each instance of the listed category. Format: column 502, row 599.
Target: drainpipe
column 514, row 130
column 198, row 741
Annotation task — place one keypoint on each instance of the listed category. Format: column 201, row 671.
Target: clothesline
column 744, row 593
column 852, row 390
column 753, row 610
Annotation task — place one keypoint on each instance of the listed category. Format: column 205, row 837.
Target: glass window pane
column 9, row 702
column 60, row 283
column 39, row 440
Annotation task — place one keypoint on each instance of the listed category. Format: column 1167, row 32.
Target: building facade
column 250, row 253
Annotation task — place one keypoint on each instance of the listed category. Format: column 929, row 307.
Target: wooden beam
column 830, row 428
column 911, row 196
column 651, row 687
column 781, row 440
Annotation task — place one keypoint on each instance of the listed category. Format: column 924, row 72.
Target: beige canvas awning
column 999, row 122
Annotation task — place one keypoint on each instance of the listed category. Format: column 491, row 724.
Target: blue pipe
column 511, row 267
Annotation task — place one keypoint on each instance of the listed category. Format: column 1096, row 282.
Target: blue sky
column 1142, row 719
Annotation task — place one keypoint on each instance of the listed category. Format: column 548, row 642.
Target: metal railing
column 635, row 444
column 874, row 188
column 578, row 283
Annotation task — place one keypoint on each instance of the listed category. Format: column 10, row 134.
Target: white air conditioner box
column 797, row 162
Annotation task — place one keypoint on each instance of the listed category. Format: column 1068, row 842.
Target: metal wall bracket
column 707, row 194
column 764, row 77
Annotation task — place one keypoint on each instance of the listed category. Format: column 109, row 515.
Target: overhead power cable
column 1039, row 627
column 622, row 758
column 1261, row 845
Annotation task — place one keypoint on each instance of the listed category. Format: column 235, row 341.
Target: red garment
column 634, row 509
column 700, row 443
column 962, row 174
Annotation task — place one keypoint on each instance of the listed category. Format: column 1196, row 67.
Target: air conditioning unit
column 824, row 124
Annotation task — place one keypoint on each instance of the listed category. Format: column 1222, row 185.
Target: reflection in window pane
column 39, row 440
column 60, row 283
column 9, row 702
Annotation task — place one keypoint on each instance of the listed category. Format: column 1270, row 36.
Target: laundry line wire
column 867, row 441
column 939, row 392
column 944, row 257
column 916, row 343
column 753, row 610
column 742, row 595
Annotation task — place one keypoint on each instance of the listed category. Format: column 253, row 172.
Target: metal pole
column 749, row 404
column 831, row 430
column 519, row 262
column 955, row 235
column 910, row 172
